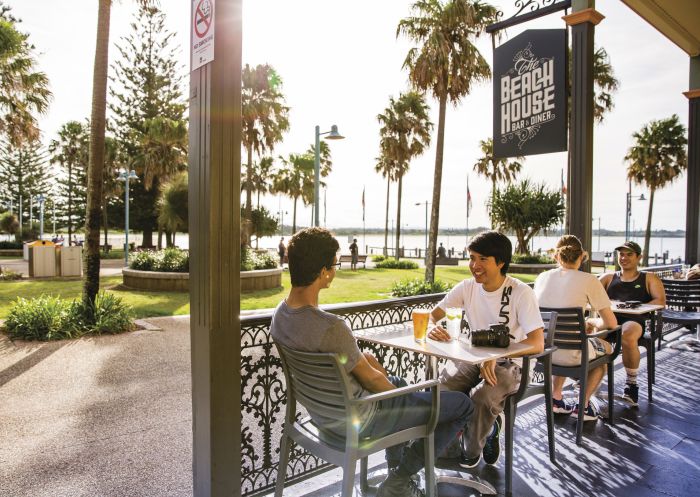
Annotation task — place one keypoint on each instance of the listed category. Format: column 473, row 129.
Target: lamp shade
column 334, row 135
column 642, row 197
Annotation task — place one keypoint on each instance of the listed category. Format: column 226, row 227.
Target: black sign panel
column 529, row 94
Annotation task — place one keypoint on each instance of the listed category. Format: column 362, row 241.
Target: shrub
column 417, row 286
column 394, row 264
column 251, row 260
column 10, row 245
column 378, row 258
column 9, row 275
column 41, row 318
column 170, row 260
column 51, row 318
column 532, row 259
column 110, row 315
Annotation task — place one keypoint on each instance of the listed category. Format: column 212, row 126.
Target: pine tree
column 148, row 86
column 24, row 174
column 70, row 151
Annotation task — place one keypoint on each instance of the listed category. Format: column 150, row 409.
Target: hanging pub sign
column 529, row 94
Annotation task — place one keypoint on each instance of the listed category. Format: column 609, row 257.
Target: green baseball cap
column 630, row 245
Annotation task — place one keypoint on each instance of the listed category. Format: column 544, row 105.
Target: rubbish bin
column 71, row 260
column 42, row 259
column 25, row 251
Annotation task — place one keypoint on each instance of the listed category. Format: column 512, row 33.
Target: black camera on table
column 496, row 335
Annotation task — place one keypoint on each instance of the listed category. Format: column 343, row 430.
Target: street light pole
column 41, row 199
column 426, row 226
column 332, row 135
column 123, row 176
column 628, row 217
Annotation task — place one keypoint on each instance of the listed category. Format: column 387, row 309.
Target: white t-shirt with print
column 563, row 287
column 513, row 304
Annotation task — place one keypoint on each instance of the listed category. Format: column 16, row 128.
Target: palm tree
column 173, row 205
column 387, row 168
column 295, row 179
column 24, row 92
column 69, row 151
column 446, row 63
column 264, row 117
column 605, row 84
column 91, row 285
column 261, row 180
column 164, row 153
column 496, row 170
column 656, row 159
column 404, row 134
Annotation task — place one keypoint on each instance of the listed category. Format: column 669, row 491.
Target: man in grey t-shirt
column 299, row 324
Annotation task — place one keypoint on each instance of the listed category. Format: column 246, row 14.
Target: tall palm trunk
column 294, row 216
column 91, row 284
column 398, row 216
column 493, row 194
column 105, row 225
column 437, row 185
column 249, row 186
column 647, row 235
column 386, row 216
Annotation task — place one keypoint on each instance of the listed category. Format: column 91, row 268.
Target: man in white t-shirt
column 490, row 297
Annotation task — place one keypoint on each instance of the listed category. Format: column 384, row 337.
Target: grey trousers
column 488, row 400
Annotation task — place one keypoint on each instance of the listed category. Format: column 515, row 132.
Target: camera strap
column 504, row 313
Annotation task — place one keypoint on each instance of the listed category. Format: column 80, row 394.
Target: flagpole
column 364, row 238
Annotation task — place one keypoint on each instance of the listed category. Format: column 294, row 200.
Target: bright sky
column 340, row 62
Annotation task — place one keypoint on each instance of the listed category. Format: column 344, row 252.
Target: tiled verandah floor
column 112, row 417
column 652, row 450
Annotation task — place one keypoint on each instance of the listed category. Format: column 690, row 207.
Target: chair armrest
column 546, row 352
column 605, row 333
column 376, row 397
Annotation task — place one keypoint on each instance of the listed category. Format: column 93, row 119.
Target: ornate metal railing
column 264, row 393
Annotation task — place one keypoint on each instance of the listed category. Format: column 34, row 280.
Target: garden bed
column 262, row 279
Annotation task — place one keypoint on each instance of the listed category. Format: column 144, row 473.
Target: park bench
column 106, row 248
column 361, row 259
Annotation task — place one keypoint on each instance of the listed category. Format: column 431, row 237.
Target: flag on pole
column 363, row 203
column 563, row 186
column 469, row 200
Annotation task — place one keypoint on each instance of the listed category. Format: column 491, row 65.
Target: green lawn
column 362, row 285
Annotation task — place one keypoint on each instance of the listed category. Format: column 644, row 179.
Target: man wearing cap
column 631, row 284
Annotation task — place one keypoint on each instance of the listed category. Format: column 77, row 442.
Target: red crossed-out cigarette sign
column 202, row 33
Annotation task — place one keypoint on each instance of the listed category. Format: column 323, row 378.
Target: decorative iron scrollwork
column 531, row 5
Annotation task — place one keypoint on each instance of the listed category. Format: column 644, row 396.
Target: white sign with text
column 202, row 33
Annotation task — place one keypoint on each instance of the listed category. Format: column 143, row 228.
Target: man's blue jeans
column 403, row 412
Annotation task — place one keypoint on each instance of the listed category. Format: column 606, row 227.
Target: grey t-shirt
column 309, row 329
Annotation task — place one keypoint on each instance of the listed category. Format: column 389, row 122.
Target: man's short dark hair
column 309, row 251
column 493, row 244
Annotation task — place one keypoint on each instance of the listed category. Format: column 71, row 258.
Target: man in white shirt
column 490, row 297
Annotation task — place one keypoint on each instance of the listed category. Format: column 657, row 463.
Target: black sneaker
column 631, row 395
column 492, row 447
column 469, row 462
column 563, row 406
column 396, row 485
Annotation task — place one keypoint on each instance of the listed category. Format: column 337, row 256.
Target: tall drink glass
column 420, row 324
column 454, row 321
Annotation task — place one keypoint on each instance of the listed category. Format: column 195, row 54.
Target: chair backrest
column 550, row 323
column 682, row 293
column 318, row 382
column 570, row 327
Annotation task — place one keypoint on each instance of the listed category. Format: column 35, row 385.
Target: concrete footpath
column 108, row 267
column 106, row 416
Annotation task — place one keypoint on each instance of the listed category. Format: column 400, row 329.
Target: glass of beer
column 420, row 324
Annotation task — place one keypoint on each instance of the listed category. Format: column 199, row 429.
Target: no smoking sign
column 202, row 33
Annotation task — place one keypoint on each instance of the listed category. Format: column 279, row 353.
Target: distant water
column 674, row 246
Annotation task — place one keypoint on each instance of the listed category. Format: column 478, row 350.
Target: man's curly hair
column 309, row 251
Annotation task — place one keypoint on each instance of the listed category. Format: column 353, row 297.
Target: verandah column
column 214, row 227
column 692, row 220
column 582, row 21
